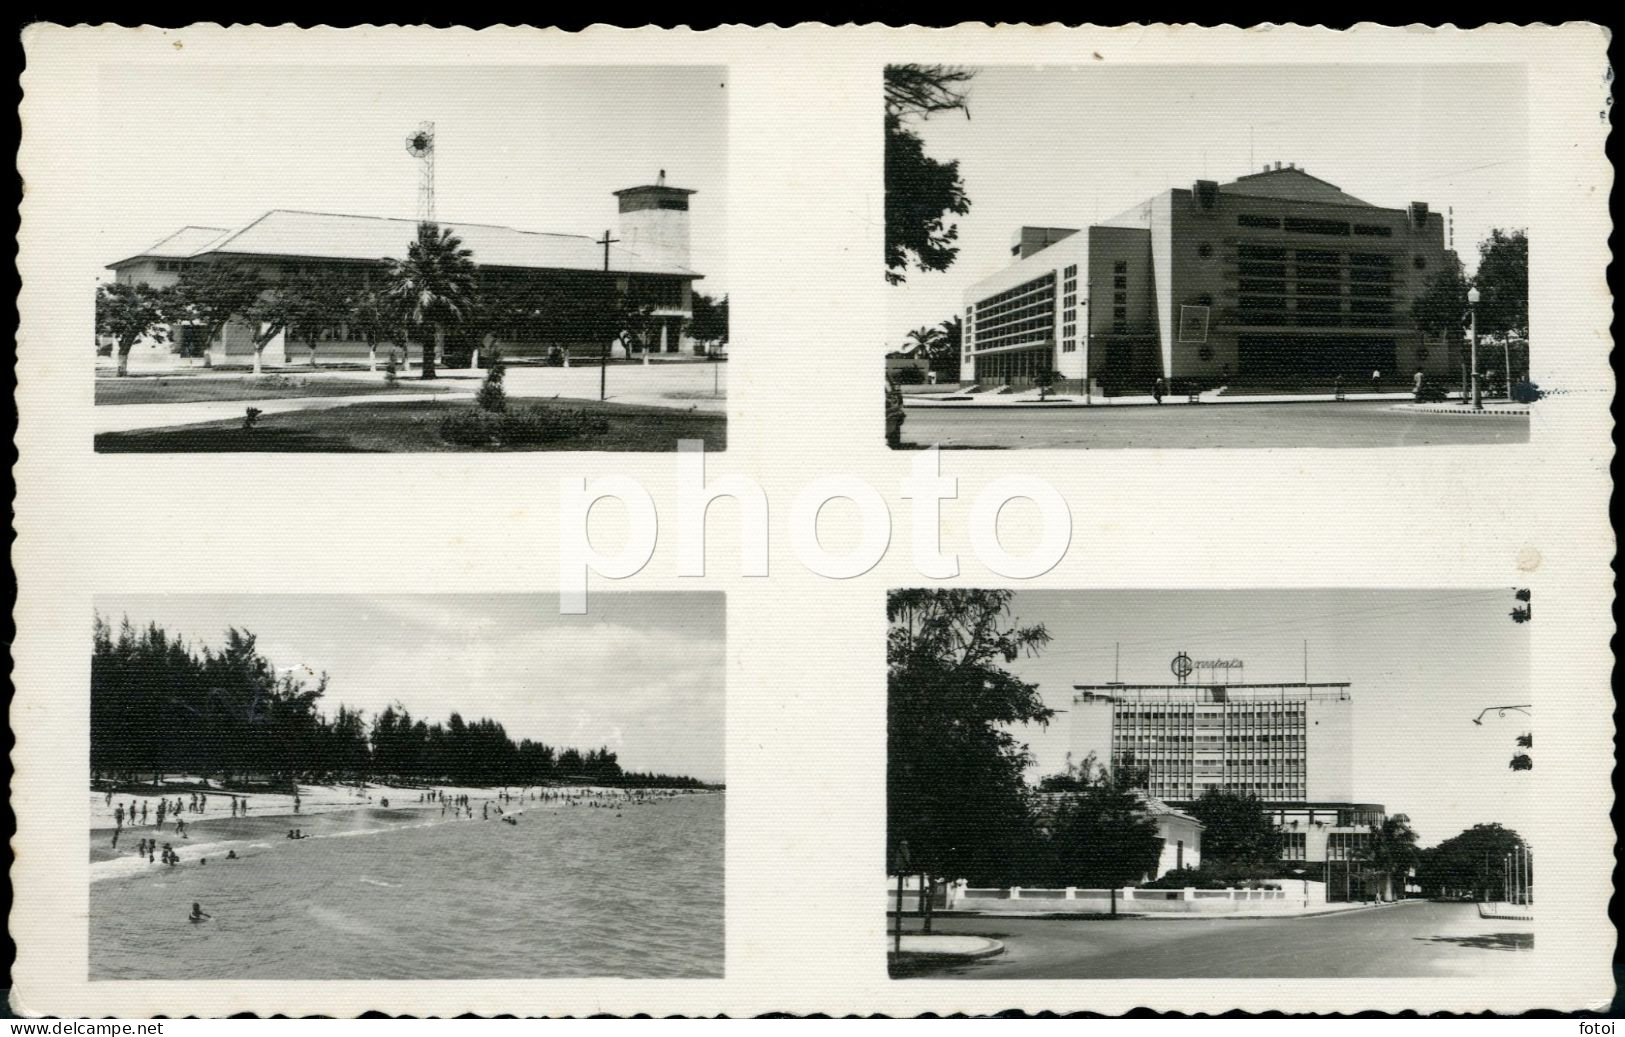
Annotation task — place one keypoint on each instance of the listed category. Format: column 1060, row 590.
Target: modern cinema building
column 1288, row 745
column 649, row 255
column 1277, row 280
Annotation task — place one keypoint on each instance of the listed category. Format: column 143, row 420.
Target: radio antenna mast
column 420, row 145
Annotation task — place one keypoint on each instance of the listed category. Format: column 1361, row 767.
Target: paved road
column 1230, row 425
column 1406, row 939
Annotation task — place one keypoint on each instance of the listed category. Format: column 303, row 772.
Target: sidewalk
column 968, row 401
column 133, row 416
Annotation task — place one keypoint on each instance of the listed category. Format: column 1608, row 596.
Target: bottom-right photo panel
column 1103, row 784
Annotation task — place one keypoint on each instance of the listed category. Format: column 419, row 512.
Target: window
column 1119, row 282
column 1271, row 222
column 1299, row 225
column 1119, row 298
column 1017, row 316
column 1421, row 262
column 1372, row 231
column 1193, row 323
column 1204, row 250
column 1120, row 267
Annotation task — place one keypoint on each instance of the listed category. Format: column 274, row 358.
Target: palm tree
column 435, row 285
column 924, row 339
column 1392, row 851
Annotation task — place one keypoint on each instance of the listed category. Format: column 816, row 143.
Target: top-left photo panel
column 409, row 259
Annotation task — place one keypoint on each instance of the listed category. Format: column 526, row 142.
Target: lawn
column 191, row 389
column 411, row 427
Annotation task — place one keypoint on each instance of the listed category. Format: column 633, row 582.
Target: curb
column 992, row 949
column 1467, row 412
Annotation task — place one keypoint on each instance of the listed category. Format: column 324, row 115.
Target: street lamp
column 1472, row 300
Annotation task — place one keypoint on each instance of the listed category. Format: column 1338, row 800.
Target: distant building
column 650, row 257
column 1288, row 745
column 1276, row 280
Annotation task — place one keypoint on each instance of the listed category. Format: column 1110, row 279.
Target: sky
column 1067, row 147
column 539, row 149
column 1422, row 665
column 643, row 674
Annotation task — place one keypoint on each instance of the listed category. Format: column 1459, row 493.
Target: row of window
column 1069, row 310
column 1025, row 313
column 1304, row 225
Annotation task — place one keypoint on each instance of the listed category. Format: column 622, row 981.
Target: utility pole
column 603, row 355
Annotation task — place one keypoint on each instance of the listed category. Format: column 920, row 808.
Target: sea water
column 569, row 891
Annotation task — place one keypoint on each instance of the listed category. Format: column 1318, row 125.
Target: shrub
column 279, row 381
column 1218, row 877
column 1526, row 392
column 492, row 396
column 555, row 357
column 392, row 370
column 909, row 376
column 1432, row 392
column 533, row 427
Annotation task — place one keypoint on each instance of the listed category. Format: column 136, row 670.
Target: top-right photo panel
column 1207, row 256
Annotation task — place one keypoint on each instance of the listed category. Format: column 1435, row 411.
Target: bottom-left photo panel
column 406, row 787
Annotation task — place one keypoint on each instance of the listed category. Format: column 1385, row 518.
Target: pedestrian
column 1376, row 381
column 1416, row 385
column 118, row 815
column 1156, row 390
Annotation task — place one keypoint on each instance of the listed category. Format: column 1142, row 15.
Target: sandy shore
column 324, row 811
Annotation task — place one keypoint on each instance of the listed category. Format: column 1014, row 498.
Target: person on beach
column 245, row 806
column 234, row 806
column 485, row 812
column 231, row 855
column 197, row 914
column 143, row 813
column 180, row 828
column 162, row 807
column 150, row 854
column 118, row 815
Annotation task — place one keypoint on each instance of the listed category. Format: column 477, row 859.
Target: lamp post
column 1472, row 300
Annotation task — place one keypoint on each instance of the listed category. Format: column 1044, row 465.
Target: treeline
column 158, row 705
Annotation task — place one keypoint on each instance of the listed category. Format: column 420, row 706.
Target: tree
column 1503, row 281
column 371, row 314
column 1392, row 852
column 634, row 317
column 923, row 339
column 317, row 306
column 1468, row 863
column 131, row 312
column 954, row 784
column 283, row 307
column 434, row 286
column 1442, row 307
column 1237, row 830
column 210, row 295
column 921, row 192
column 1102, row 836
column 1044, row 378
column 710, row 321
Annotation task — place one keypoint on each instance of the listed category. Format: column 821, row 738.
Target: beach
column 590, row 883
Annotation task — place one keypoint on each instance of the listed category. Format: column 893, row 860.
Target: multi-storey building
column 649, row 258
column 1276, row 279
column 1289, row 745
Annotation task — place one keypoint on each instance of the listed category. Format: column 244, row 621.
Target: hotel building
column 1289, row 745
column 1276, row 281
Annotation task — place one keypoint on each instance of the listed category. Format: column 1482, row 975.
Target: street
column 1263, row 425
column 1412, row 938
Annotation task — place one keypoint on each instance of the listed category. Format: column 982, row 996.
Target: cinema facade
column 1276, row 280
column 649, row 257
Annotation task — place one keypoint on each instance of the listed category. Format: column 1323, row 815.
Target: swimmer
column 197, row 914
column 231, row 855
